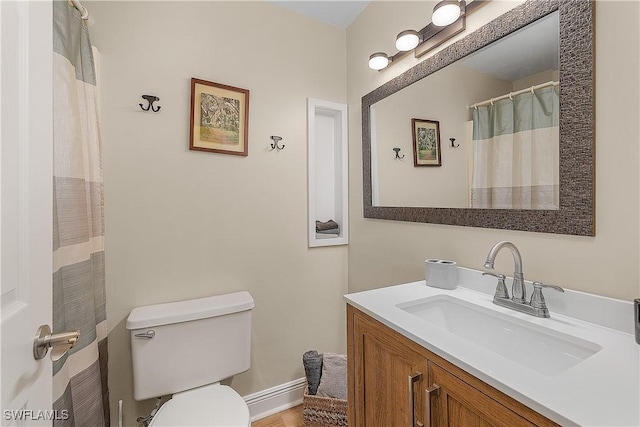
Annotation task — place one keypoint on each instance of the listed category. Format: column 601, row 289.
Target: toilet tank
column 181, row 345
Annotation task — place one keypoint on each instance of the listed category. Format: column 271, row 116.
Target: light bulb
column 407, row 40
column 446, row 12
column 378, row 61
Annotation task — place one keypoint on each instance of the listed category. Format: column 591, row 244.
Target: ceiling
column 335, row 12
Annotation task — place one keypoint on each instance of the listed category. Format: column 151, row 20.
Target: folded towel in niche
column 330, row 231
column 333, row 382
column 329, row 225
column 312, row 362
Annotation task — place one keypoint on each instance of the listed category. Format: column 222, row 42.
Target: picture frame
column 219, row 118
column 426, row 142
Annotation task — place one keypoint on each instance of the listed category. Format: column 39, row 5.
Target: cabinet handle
column 431, row 391
column 413, row 378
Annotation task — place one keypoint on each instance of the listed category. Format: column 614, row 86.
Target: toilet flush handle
column 149, row 334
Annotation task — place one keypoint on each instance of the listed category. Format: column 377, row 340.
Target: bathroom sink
column 535, row 347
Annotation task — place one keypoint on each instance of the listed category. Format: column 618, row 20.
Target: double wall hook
column 276, row 139
column 397, row 150
column 150, row 99
column 452, row 143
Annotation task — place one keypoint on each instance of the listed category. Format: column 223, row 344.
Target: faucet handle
column 501, row 289
column 540, row 285
column 537, row 299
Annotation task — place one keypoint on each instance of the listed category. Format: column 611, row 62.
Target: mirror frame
column 576, row 215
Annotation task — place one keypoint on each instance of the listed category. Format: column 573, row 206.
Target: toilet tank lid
column 183, row 311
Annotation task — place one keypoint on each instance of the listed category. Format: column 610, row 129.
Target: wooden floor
column 289, row 418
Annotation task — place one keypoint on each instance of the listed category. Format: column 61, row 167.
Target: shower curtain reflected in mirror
column 80, row 377
column 515, row 160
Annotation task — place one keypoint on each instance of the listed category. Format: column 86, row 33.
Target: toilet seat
column 211, row 405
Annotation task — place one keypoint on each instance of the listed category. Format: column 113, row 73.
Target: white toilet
column 184, row 348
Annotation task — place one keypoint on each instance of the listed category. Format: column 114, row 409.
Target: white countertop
column 603, row 390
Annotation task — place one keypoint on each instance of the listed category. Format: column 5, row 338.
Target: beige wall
column 185, row 224
column 387, row 252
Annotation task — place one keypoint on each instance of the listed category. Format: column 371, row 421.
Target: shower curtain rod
column 83, row 10
column 511, row 94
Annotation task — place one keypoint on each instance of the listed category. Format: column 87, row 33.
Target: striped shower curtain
column 515, row 162
column 79, row 377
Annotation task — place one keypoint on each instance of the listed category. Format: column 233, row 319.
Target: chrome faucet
column 518, row 290
column 537, row 306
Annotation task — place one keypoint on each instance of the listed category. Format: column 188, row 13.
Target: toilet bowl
column 184, row 349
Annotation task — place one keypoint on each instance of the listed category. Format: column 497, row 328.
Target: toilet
column 185, row 348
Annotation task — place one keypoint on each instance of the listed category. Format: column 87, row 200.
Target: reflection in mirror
column 501, row 105
column 576, row 210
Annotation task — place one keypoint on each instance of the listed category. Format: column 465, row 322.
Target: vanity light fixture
column 446, row 12
column 449, row 19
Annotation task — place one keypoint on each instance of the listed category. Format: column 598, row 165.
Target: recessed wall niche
column 327, row 173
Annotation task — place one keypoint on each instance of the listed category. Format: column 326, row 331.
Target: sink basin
column 535, row 347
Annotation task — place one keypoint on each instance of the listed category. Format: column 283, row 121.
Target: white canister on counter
column 441, row 273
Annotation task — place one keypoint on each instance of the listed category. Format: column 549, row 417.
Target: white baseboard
column 275, row 399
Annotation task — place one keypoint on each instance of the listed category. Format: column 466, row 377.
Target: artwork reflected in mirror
column 426, row 142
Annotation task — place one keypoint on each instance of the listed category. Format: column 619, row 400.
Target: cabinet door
column 383, row 366
column 459, row 404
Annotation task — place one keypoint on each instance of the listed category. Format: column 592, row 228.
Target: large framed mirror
column 443, row 89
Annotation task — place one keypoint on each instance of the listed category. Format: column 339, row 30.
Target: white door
column 26, row 156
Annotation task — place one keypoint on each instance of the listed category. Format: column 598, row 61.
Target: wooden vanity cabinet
column 388, row 375
column 379, row 369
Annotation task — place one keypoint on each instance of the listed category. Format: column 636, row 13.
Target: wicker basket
column 320, row 411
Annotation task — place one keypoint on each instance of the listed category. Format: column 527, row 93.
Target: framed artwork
column 219, row 118
column 426, row 142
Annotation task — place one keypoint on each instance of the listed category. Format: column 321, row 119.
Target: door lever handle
column 59, row 343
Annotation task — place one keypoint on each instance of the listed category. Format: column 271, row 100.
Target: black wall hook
column 150, row 99
column 452, row 143
column 276, row 139
column 397, row 150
